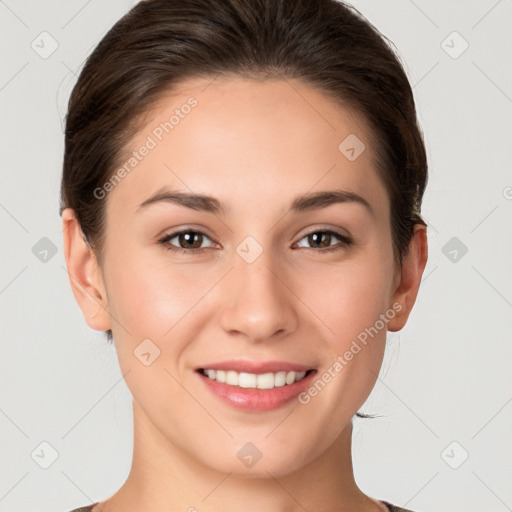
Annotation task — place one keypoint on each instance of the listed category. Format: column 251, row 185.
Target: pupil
column 314, row 237
column 188, row 238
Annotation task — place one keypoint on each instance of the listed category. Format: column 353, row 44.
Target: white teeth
column 265, row 381
column 252, row 380
column 280, row 379
column 232, row 378
column 247, row 380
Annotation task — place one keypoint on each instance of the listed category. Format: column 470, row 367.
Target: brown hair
column 160, row 43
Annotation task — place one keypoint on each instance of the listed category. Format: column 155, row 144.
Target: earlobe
column 414, row 263
column 84, row 274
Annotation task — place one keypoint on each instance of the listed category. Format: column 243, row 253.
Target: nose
column 257, row 300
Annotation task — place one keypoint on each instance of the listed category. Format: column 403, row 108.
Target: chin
column 248, row 463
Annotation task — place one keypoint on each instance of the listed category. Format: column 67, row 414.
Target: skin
column 255, row 146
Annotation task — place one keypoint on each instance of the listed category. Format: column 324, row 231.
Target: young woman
column 241, row 203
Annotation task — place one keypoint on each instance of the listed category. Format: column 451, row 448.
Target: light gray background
column 446, row 377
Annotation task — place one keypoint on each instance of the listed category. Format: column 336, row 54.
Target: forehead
column 246, row 141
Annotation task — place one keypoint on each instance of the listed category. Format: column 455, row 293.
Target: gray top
column 392, row 508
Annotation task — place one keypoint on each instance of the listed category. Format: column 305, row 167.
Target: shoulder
column 395, row 508
column 87, row 508
column 391, row 507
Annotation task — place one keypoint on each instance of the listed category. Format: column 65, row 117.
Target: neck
column 163, row 477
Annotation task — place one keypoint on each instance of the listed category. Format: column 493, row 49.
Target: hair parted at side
column 158, row 44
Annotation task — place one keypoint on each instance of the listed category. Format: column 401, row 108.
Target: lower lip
column 259, row 400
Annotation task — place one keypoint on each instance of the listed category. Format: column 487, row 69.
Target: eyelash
column 345, row 241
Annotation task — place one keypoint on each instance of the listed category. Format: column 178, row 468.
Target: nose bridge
column 258, row 303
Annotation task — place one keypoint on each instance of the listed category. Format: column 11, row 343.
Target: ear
column 409, row 278
column 84, row 274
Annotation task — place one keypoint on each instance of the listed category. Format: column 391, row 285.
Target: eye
column 322, row 240
column 187, row 241
column 190, row 241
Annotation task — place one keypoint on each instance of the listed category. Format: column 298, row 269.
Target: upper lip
column 256, row 367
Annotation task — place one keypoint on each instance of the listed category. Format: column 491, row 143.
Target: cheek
column 350, row 298
column 149, row 297
column 350, row 301
column 349, row 304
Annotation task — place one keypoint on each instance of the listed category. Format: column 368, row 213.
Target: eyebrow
column 206, row 203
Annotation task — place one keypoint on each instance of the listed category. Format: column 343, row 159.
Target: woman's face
column 255, row 278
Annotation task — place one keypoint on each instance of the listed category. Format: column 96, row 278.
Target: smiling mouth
column 269, row 380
